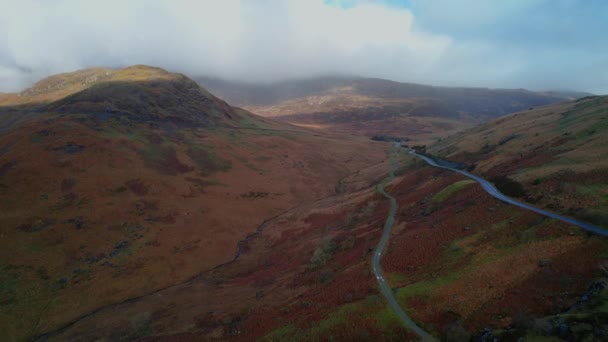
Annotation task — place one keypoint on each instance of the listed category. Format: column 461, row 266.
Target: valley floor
column 488, row 265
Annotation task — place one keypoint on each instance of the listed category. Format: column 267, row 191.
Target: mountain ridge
column 371, row 106
column 283, row 90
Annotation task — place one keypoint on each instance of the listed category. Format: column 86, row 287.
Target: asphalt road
column 490, row 189
column 384, row 288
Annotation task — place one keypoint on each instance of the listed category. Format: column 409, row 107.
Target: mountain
column 143, row 207
column 115, row 184
column 138, row 92
column 375, row 106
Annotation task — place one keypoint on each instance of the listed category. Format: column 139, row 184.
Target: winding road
column 384, row 288
column 490, row 189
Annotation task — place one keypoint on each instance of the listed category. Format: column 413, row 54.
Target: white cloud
column 264, row 40
column 439, row 42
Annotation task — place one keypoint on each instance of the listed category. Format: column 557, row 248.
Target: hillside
column 376, row 106
column 145, row 207
column 460, row 263
column 119, row 185
column 138, row 92
column 450, row 260
column 557, row 152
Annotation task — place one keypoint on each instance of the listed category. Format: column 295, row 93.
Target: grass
column 453, row 253
column 280, row 334
column 361, row 214
column 207, row 161
column 24, row 292
column 322, row 254
column 8, row 286
column 324, row 329
column 232, row 135
column 374, row 307
column 583, row 114
column 37, row 139
column 597, row 191
column 120, row 189
column 450, row 190
column 581, row 324
column 247, row 121
column 116, row 130
column 334, row 319
column 35, row 247
column 246, row 163
column 387, row 320
column 155, row 155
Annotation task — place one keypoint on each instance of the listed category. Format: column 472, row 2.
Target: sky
column 533, row 44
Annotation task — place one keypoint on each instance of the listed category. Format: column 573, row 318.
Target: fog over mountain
column 538, row 44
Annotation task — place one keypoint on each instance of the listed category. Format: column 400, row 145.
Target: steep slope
column 141, row 92
column 375, row 106
column 139, row 180
column 558, row 153
column 178, row 99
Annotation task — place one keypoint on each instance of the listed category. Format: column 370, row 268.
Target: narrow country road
column 384, row 288
column 490, row 189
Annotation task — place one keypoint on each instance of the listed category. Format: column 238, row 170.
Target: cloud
column 469, row 43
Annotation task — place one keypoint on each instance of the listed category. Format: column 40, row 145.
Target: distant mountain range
column 371, row 106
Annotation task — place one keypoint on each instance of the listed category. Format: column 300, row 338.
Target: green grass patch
column 230, row 134
column 322, row 254
column 280, row 334
column 386, row 319
column 118, row 131
column 453, row 253
column 595, row 191
column 360, row 214
column 396, row 278
column 37, row 139
column 120, row 189
column 35, row 247
column 247, row 121
column 8, row 285
column 155, row 155
column 450, row 190
column 207, row 161
column 340, row 317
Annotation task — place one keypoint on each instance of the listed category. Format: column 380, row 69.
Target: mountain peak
column 60, row 85
column 140, row 92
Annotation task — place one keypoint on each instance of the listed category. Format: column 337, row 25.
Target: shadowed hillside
column 138, row 93
column 178, row 100
column 115, row 184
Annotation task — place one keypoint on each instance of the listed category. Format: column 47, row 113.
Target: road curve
column 490, row 189
column 384, row 288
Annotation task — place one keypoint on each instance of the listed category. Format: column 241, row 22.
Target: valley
column 139, row 206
